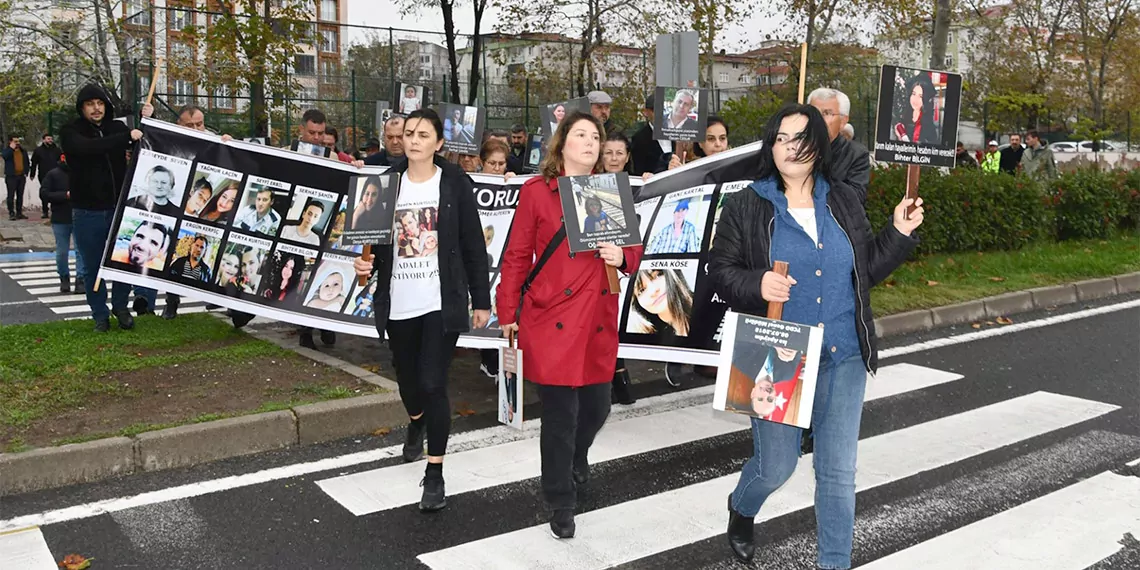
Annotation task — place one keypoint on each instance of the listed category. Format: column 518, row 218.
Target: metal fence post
column 392, row 69
column 526, row 110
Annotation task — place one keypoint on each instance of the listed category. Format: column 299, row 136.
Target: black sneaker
column 239, row 318
column 328, row 338
column 619, row 394
column 64, row 284
column 306, row 339
column 414, row 445
column 126, row 321
column 434, row 498
column 562, row 523
column 142, row 307
column 103, row 325
column 169, row 312
column 673, row 374
column 488, row 372
column 79, row 287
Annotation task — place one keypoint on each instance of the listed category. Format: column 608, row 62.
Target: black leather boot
column 620, row 393
column 740, row 534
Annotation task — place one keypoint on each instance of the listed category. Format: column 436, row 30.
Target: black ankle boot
column 306, row 339
column 414, row 444
column 620, row 393
column 562, row 523
column 328, row 337
column 740, row 534
column 434, row 497
column 64, row 284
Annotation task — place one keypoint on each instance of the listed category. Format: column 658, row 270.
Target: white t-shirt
column 415, row 272
column 292, row 233
column 806, row 219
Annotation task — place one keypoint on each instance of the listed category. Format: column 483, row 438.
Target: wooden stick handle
column 776, row 310
column 803, row 70
column 612, row 275
column 366, row 256
column 511, row 338
column 912, row 172
column 153, row 80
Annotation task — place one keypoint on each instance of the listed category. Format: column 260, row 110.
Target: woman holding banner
column 421, row 301
column 795, row 213
column 567, row 322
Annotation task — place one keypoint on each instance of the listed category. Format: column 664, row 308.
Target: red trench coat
column 568, row 330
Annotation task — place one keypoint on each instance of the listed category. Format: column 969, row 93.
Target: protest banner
column 270, row 240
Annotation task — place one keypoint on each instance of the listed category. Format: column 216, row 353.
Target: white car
column 1063, row 146
column 1087, row 146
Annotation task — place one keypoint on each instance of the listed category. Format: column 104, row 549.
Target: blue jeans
column 776, row 450
column 62, row 247
column 92, row 228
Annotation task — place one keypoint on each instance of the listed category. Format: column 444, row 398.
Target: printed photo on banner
column 682, row 115
column 598, row 208
column 645, row 210
column 416, row 233
column 263, row 206
column 680, row 223
column 462, row 128
column 369, row 216
column 661, row 300
column 410, row 97
column 309, row 216
column 333, row 282
column 917, row 119
column 142, row 241
column 726, row 190
column 285, row 272
column 496, row 226
column 205, row 195
column 362, row 304
column 491, row 329
column 311, row 149
column 158, row 183
column 511, row 387
column 241, row 263
column 768, row 369
column 536, row 151
column 552, row 115
column 195, row 252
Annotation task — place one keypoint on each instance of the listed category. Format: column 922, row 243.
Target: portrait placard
column 768, row 369
column 551, row 115
column 682, row 114
column 598, row 208
column 918, row 116
column 462, row 128
column 370, row 209
column 511, row 387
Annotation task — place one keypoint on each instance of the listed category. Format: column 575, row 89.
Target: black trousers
column 421, row 355
column 15, row 200
column 571, row 418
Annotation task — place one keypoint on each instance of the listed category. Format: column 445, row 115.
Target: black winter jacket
column 462, row 254
column 54, row 189
column 97, row 154
column 740, row 255
column 44, row 160
column 851, row 165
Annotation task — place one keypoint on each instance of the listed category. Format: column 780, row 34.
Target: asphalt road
column 1009, row 451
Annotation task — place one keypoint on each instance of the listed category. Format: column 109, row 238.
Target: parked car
column 1063, row 146
column 1087, row 146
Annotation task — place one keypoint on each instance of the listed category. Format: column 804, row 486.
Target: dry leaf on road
column 381, row 432
column 75, row 562
column 997, row 279
column 1004, row 321
column 931, row 283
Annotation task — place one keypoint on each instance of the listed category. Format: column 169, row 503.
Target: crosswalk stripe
column 35, row 282
column 182, row 310
column 1069, row 529
column 38, row 263
column 82, row 307
column 45, row 290
column 22, row 271
column 636, row 529
column 391, row 487
column 25, row 549
column 39, row 275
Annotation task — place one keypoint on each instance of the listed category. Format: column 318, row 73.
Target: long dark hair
column 428, row 115
column 679, row 300
column 212, row 205
column 929, row 129
column 272, row 272
column 815, row 142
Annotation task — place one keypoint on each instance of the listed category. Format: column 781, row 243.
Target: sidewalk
column 33, row 233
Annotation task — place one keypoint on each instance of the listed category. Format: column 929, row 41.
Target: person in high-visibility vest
column 992, row 161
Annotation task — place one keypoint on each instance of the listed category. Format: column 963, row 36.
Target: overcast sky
column 383, row 13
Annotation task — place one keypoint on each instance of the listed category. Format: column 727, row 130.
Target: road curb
column 52, row 467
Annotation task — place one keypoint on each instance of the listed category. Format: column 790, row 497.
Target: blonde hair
column 552, row 165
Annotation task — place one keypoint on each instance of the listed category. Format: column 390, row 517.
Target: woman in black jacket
column 55, row 189
column 423, row 289
column 794, row 213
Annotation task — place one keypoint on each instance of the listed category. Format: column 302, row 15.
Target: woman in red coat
column 568, row 323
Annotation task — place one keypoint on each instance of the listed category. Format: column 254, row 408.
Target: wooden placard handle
column 511, row 338
column 776, row 310
column 366, row 255
column 612, row 275
column 912, row 172
column 153, row 80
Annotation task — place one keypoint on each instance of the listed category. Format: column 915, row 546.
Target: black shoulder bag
column 555, row 241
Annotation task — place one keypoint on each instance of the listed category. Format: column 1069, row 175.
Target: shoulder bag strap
column 555, row 241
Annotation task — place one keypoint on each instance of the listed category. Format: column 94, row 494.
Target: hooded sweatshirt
column 96, row 153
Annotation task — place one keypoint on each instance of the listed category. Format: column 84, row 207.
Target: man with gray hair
column 850, row 161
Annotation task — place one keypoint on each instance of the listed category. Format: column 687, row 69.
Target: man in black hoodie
column 96, row 147
column 44, row 159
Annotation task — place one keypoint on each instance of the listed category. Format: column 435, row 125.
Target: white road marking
column 391, row 487
column 1069, row 529
column 636, row 529
column 25, row 549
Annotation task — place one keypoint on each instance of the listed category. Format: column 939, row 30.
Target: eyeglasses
column 829, row 114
